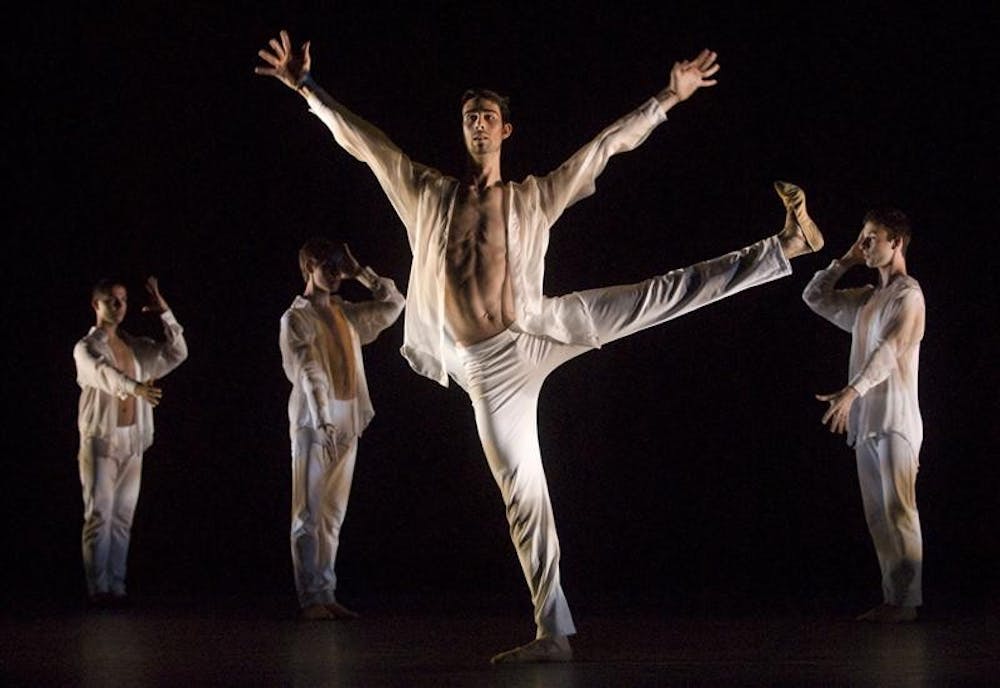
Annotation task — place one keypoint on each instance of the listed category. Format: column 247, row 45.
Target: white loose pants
column 887, row 473
column 110, row 475
column 321, row 485
column 503, row 376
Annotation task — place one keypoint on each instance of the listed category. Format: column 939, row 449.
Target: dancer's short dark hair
column 320, row 250
column 895, row 221
column 103, row 287
column 487, row 94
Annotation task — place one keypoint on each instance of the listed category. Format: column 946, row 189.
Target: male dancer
column 116, row 426
column 329, row 408
column 878, row 408
column 475, row 309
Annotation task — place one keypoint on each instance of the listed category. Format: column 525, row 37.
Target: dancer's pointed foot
column 800, row 234
column 331, row 611
column 316, row 612
column 339, row 611
column 889, row 614
column 551, row 649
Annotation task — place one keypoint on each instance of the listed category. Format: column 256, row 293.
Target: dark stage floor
column 259, row 642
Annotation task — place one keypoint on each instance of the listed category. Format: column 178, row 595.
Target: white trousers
column 503, row 376
column 321, row 486
column 887, row 473
column 110, row 475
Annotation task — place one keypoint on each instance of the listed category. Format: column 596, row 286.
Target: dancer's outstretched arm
column 687, row 77
column 576, row 178
column 400, row 178
column 287, row 66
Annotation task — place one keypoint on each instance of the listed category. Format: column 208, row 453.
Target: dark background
column 687, row 465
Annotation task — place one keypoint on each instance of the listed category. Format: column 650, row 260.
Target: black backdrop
column 687, row 464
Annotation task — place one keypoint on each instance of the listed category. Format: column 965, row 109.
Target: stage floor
column 259, row 642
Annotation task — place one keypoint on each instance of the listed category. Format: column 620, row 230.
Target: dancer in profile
column 475, row 309
column 878, row 407
column 328, row 409
column 116, row 374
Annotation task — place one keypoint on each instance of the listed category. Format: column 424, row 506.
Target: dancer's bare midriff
column 126, row 363
column 479, row 300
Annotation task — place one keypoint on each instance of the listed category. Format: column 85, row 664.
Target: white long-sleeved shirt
column 312, row 403
column 424, row 199
column 886, row 326
column 103, row 383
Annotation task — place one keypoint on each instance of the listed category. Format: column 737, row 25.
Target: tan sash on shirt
column 338, row 344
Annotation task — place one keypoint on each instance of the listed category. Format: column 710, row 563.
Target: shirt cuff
column 126, row 388
column 861, row 385
column 307, row 81
column 324, row 415
column 652, row 109
column 368, row 277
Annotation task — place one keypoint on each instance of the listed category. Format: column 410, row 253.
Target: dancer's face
column 111, row 307
column 876, row 246
column 483, row 126
column 326, row 275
